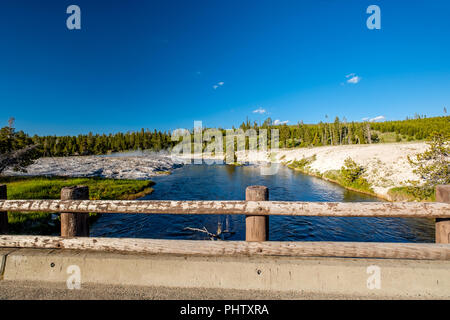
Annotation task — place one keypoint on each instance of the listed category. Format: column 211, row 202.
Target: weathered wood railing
column 74, row 208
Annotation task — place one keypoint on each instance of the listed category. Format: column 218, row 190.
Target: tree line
column 96, row 144
column 341, row 132
column 419, row 128
column 338, row 132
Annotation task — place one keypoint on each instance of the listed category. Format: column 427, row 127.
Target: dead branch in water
column 204, row 230
column 212, row 236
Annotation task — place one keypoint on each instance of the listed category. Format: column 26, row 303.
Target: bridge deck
column 266, row 276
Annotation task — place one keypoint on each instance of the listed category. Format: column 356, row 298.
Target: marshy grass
column 24, row 188
column 411, row 193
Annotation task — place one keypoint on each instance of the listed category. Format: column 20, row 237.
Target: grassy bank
column 349, row 176
column 411, row 194
column 50, row 188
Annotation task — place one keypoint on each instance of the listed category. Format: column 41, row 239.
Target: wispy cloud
column 260, row 110
column 278, row 122
column 219, row 84
column 354, row 79
column 378, row 118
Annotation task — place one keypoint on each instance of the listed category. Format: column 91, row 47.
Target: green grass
column 391, row 137
column 411, row 194
column 50, row 188
column 302, row 164
column 236, row 164
column 360, row 184
column 356, row 182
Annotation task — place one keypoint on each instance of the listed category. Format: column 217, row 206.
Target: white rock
column 120, row 167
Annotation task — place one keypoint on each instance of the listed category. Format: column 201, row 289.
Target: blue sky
column 164, row 63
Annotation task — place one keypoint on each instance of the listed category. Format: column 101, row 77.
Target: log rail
column 418, row 251
column 263, row 208
column 257, row 209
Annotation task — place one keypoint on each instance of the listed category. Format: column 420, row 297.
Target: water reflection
column 221, row 182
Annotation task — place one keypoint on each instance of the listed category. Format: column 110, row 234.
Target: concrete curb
column 3, row 254
column 410, row 279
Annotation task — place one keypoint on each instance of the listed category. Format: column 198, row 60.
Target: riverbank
column 24, row 188
column 385, row 166
column 385, row 173
column 129, row 165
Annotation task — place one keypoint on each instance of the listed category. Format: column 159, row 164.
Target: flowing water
column 222, row 182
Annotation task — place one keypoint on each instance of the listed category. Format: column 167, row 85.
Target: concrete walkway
column 56, row 291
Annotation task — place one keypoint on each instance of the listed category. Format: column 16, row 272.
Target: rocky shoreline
column 385, row 165
column 118, row 167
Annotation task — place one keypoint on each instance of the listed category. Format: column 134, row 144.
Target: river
column 222, row 182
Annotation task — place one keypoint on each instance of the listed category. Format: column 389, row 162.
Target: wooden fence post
column 3, row 214
column 443, row 225
column 256, row 227
column 74, row 224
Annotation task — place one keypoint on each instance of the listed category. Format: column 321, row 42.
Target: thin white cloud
column 351, row 75
column 219, row 84
column 278, row 122
column 354, row 79
column 378, row 118
column 260, row 110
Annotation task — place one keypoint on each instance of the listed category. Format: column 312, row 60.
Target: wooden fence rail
column 255, row 208
column 419, row 251
column 74, row 208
